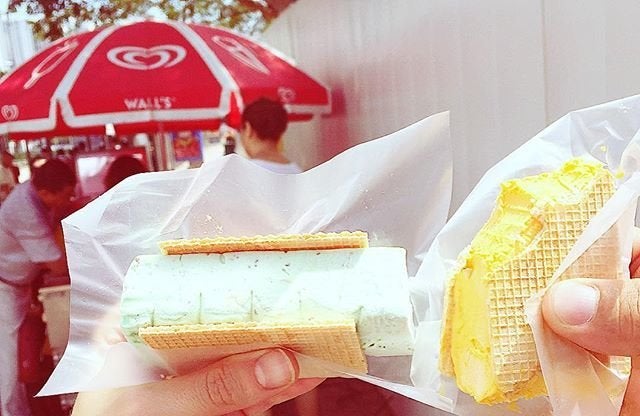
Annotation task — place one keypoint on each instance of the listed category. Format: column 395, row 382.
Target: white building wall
column 17, row 43
column 504, row 68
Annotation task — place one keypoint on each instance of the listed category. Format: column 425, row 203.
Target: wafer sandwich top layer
column 486, row 344
column 367, row 285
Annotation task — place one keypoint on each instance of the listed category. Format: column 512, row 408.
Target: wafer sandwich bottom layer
column 486, row 344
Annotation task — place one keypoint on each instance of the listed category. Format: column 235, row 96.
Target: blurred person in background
column 28, row 250
column 7, row 162
column 263, row 124
column 122, row 167
column 8, row 177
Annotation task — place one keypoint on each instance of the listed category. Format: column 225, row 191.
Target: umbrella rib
column 214, row 65
column 61, row 94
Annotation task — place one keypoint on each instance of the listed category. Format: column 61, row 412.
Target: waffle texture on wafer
column 336, row 342
column 283, row 242
column 303, row 291
column 486, row 344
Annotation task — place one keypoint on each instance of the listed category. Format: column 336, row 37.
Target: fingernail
column 274, row 369
column 575, row 303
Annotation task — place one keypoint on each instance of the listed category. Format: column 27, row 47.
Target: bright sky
column 20, row 13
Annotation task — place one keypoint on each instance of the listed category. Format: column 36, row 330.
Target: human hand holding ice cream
column 247, row 383
column 603, row 316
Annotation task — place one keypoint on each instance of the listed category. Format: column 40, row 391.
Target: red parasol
column 150, row 76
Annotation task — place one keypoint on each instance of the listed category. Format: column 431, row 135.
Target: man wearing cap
column 27, row 249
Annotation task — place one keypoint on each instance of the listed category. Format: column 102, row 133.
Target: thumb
column 601, row 315
column 234, row 383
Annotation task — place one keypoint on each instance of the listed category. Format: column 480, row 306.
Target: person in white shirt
column 264, row 122
column 28, row 247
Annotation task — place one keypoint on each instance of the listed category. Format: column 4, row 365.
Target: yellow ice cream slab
column 486, row 344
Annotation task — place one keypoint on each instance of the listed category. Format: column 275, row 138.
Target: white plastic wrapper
column 609, row 133
column 396, row 188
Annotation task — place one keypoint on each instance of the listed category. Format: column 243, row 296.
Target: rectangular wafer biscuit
column 283, row 242
column 329, row 341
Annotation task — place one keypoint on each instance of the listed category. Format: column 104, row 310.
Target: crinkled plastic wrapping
column 397, row 188
column 607, row 132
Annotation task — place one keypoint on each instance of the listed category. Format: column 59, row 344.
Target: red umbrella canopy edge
column 147, row 76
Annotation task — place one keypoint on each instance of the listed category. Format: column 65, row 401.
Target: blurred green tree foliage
column 61, row 17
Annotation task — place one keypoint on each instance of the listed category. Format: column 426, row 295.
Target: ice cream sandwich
column 486, row 344
column 326, row 295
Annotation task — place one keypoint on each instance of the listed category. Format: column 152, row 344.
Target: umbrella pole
column 161, row 148
column 27, row 152
column 157, row 152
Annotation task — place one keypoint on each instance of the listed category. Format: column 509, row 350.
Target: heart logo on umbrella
column 287, row 95
column 145, row 59
column 10, row 112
